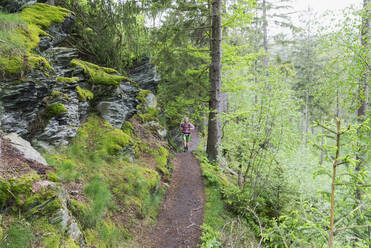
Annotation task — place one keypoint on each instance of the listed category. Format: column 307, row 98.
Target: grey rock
column 67, row 221
column 145, row 74
column 120, row 107
column 59, row 33
column 156, row 129
column 20, row 104
column 151, row 101
column 25, row 148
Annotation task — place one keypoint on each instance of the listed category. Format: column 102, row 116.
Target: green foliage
column 66, row 169
column 110, row 33
column 55, row 109
column 128, row 128
column 12, row 44
column 100, row 197
column 209, row 238
column 107, row 235
column 142, row 94
column 98, row 74
column 18, row 235
column 84, row 94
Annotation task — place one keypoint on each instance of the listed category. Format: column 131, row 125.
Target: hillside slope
column 106, row 158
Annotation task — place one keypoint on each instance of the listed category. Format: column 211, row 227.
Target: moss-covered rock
column 84, row 94
column 150, row 114
column 98, row 74
column 44, row 15
column 67, row 79
column 22, row 34
column 55, row 109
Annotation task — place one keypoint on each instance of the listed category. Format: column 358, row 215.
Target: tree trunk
column 265, row 33
column 334, row 165
column 363, row 87
column 51, row 2
column 213, row 138
column 322, row 151
column 306, row 115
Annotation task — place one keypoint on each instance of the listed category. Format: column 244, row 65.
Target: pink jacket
column 186, row 127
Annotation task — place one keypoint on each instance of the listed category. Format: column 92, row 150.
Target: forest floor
column 181, row 212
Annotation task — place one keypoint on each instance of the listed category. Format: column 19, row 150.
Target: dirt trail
column 182, row 210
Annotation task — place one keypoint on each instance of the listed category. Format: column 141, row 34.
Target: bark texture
column 213, row 138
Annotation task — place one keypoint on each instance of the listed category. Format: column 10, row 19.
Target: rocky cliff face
column 48, row 107
column 48, row 96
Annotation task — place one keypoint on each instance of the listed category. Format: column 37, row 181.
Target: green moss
column 107, row 234
column 79, row 210
column 56, row 93
column 51, row 240
column 150, row 115
column 14, row 65
column 52, row 176
column 21, row 33
column 162, row 160
column 21, row 188
column 39, row 62
column 4, row 192
column 98, row 74
column 98, row 136
column 142, row 94
column 137, row 188
column 84, row 94
column 55, row 109
column 49, row 235
column 67, row 79
column 69, row 243
column 127, row 128
column 44, row 15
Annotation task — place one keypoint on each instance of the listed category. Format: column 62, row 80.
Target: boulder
column 145, row 74
column 120, row 107
column 25, row 148
column 150, row 101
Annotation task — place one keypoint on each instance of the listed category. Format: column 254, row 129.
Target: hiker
column 186, row 127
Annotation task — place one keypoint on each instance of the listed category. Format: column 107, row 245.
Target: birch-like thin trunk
column 334, row 165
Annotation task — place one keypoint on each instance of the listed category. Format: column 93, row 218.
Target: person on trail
column 186, row 127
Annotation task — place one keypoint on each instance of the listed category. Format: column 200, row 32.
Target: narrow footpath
column 181, row 213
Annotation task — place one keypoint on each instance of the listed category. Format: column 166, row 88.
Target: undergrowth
column 99, row 158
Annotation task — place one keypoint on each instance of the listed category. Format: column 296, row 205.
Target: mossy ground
column 20, row 34
column 120, row 173
column 119, row 185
